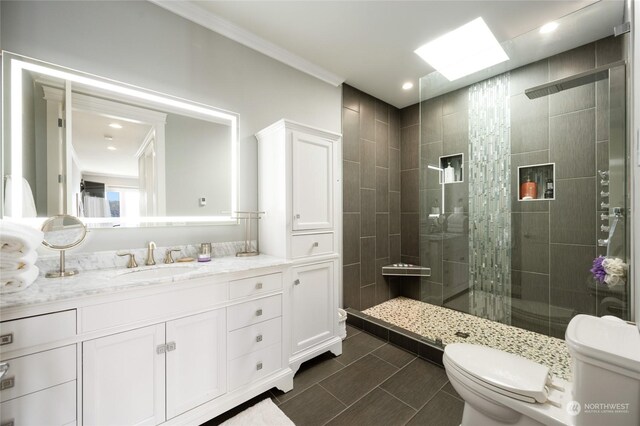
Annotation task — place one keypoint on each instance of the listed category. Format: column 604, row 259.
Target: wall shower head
column 570, row 82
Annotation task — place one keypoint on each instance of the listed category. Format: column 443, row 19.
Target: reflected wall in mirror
column 113, row 154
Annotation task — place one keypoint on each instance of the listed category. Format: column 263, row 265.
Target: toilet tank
column 605, row 356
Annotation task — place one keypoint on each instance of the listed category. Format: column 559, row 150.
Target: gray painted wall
column 197, row 165
column 145, row 45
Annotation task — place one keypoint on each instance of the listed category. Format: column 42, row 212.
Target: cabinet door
column 312, row 182
column 314, row 313
column 124, row 378
column 196, row 360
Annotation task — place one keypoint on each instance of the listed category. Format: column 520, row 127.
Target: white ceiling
column 367, row 44
column 89, row 130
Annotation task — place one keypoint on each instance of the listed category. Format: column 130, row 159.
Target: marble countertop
column 112, row 280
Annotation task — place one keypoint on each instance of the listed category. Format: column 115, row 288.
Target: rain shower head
column 583, row 78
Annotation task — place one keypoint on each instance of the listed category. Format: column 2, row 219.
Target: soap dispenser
column 449, row 173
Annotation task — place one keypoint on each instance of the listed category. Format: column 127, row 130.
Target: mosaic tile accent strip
column 490, row 199
column 435, row 322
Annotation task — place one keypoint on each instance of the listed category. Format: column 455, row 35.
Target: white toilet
column 504, row 389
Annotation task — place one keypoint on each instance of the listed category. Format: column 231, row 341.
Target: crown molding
column 207, row 19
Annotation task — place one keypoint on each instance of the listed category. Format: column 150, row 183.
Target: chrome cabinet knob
column 315, row 244
column 296, row 282
column 4, row 367
column 258, row 286
column 259, row 312
column 259, row 338
column 259, row 366
column 297, row 216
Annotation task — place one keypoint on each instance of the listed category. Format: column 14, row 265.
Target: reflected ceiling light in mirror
column 18, row 66
column 111, row 148
column 115, row 126
column 548, row 27
column 463, row 51
column 407, row 86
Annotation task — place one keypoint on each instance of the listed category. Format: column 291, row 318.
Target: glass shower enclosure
column 523, row 186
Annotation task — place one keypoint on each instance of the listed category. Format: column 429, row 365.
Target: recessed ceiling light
column 108, row 137
column 111, row 148
column 548, row 27
column 115, row 126
column 408, row 85
column 463, row 51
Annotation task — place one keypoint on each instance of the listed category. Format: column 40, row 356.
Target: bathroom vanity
column 106, row 347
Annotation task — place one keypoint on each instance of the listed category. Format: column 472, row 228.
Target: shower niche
column 452, row 167
column 537, row 182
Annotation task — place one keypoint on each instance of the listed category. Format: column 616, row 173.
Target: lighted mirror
column 111, row 153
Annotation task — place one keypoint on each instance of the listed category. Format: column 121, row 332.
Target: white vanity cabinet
column 312, row 299
column 173, row 353
column 124, row 378
column 129, row 376
column 300, row 192
column 39, row 368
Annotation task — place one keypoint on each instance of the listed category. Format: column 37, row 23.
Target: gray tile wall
column 371, row 192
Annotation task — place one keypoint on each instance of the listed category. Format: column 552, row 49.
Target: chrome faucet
column 150, row 260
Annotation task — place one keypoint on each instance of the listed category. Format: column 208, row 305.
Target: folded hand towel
column 12, row 281
column 15, row 237
column 17, row 260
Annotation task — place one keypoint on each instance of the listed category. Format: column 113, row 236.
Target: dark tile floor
column 372, row 383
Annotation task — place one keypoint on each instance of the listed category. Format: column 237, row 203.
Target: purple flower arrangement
column 598, row 270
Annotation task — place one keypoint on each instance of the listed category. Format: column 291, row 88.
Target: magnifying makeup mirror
column 63, row 232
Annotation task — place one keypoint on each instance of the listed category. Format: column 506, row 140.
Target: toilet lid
column 503, row 372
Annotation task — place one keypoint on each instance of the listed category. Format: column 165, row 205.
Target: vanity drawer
column 253, row 312
column 254, row 366
column 311, row 245
column 52, row 406
column 255, row 285
column 31, row 373
column 130, row 311
column 255, row 337
column 33, row 331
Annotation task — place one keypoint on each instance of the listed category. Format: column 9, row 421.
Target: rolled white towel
column 15, row 237
column 12, row 281
column 17, row 260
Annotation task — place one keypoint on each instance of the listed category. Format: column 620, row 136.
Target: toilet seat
column 507, row 374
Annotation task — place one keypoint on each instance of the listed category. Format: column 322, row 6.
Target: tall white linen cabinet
column 300, row 191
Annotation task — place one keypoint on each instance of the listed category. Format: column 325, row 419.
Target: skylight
column 463, row 51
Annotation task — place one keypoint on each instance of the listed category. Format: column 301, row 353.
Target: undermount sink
column 155, row 272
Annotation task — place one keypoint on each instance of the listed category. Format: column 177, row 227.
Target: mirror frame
column 14, row 64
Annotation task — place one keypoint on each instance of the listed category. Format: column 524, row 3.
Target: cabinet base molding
column 333, row 345
column 282, row 380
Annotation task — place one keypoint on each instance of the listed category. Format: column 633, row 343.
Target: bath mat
column 264, row 413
